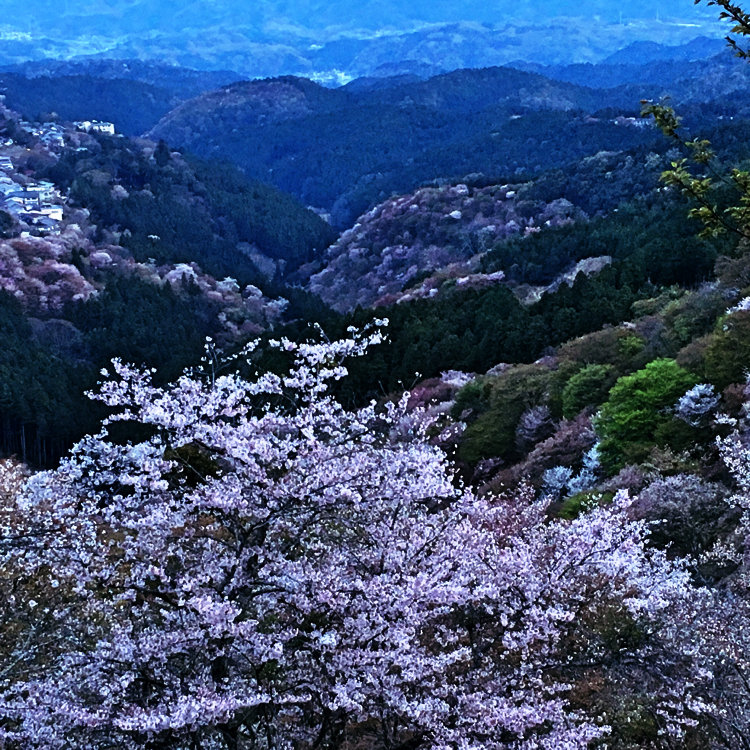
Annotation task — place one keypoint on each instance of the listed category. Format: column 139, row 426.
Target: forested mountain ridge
column 178, row 81
column 130, row 93
column 345, row 151
column 290, row 97
column 202, row 212
column 682, row 80
column 133, row 105
column 153, row 14
column 247, row 103
column 307, row 140
column 617, row 71
column 348, row 149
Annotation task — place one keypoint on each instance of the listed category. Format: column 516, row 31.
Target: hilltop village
column 36, row 206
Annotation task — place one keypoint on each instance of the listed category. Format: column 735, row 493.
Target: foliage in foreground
column 266, row 569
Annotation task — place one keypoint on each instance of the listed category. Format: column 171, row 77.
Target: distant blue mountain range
column 344, row 38
column 116, row 17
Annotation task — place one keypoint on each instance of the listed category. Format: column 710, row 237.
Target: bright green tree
column 637, row 407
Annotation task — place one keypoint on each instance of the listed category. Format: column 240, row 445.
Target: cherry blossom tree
column 715, row 628
column 262, row 568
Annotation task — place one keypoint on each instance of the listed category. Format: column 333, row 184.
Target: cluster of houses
column 50, row 134
column 37, row 203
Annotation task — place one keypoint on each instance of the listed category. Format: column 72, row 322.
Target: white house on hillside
column 96, row 126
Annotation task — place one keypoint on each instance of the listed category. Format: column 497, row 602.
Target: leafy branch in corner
column 705, row 186
column 741, row 20
column 698, row 176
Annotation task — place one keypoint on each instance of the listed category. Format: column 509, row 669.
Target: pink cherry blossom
column 267, row 569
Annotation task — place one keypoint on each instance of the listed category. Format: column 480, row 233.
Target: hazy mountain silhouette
column 278, row 37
